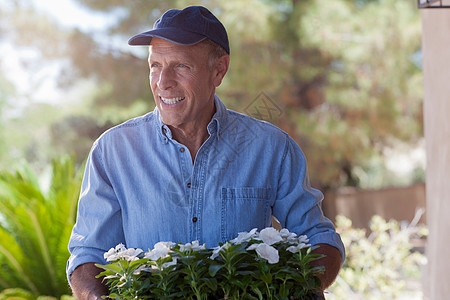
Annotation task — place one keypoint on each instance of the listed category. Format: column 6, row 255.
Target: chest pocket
column 244, row 209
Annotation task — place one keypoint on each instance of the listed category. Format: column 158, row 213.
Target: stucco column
column 436, row 71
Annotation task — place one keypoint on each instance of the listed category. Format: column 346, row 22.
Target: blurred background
column 343, row 78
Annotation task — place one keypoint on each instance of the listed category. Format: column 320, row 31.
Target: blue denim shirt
column 141, row 187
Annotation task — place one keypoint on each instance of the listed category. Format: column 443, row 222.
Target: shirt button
column 181, row 150
column 189, row 185
column 194, row 219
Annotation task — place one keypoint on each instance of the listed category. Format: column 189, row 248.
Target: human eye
column 154, row 65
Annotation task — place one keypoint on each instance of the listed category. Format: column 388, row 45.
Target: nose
column 166, row 79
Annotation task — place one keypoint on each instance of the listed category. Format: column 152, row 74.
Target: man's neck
column 193, row 139
column 193, row 134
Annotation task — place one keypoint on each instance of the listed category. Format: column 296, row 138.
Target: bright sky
column 70, row 14
column 36, row 82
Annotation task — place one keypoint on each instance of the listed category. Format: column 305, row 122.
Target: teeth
column 171, row 100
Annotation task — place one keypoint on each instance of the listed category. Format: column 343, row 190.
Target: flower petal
column 252, row 247
column 244, row 236
column 268, row 252
column 270, row 236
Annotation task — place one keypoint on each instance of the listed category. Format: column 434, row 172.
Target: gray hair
column 215, row 51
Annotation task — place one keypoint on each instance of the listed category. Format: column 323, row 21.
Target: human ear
column 220, row 69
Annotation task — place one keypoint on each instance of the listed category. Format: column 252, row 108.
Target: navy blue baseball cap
column 185, row 27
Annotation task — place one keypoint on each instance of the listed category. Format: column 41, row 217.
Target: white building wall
column 436, row 70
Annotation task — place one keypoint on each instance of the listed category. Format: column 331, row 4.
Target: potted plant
column 270, row 264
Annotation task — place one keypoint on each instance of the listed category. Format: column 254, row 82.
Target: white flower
column 120, row 247
column 161, row 249
column 252, row 247
column 245, row 236
column 131, row 254
column 303, row 239
column 156, row 267
column 170, row 263
column 141, row 268
column 121, row 252
column 217, row 250
column 301, row 242
column 195, row 246
column 288, row 236
column 270, row 236
column 266, row 251
column 164, row 245
column 295, row 249
column 112, row 253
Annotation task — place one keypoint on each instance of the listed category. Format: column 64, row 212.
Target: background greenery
column 343, row 77
column 381, row 263
column 35, row 226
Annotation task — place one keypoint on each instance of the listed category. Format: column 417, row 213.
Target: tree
column 343, row 73
column 339, row 76
column 369, row 88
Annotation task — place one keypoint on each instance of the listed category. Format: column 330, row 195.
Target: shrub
column 377, row 264
column 35, row 226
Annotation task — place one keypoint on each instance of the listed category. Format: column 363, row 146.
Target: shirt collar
column 219, row 118
column 163, row 130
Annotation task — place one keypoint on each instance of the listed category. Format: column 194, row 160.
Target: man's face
column 182, row 83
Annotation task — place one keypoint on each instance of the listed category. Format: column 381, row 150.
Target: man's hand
column 85, row 285
column 332, row 263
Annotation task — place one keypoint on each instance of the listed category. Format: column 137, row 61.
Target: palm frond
column 35, row 226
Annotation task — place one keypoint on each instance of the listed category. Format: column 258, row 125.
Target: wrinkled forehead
column 160, row 48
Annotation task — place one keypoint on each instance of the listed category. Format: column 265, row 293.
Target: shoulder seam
column 130, row 123
column 256, row 121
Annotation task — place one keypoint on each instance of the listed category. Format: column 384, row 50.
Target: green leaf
column 283, row 291
column 211, row 283
column 111, row 267
column 16, row 293
column 35, row 227
column 258, row 292
column 214, row 268
column 266, row 277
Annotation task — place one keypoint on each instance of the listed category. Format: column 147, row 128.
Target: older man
column 191, row 169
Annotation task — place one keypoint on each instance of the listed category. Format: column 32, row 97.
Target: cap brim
column 174, row 35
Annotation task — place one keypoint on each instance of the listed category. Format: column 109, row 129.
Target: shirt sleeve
column 298, row 207
column 99, row 219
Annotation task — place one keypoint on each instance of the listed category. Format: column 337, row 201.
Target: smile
column 171, row 100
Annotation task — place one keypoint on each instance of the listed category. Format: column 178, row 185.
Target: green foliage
column 234, row 270
column 35, row 226
column 21, row 294
column 377, row 264
column 16, row 294
column 362, row 91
